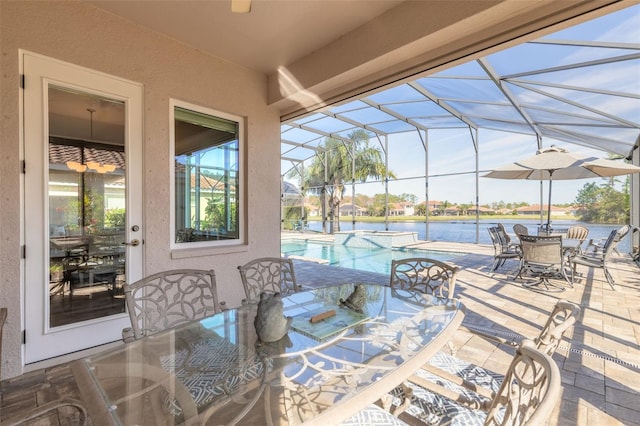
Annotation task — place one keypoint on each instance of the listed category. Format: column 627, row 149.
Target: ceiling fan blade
column 241, row 6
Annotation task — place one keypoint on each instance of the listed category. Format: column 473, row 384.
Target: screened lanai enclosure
column 420, row 148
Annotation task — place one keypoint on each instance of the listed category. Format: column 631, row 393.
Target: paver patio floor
column 599, row 358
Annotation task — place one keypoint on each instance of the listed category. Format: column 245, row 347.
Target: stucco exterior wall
column 83, row 35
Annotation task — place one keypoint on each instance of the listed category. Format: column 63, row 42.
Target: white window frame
column 180, row 250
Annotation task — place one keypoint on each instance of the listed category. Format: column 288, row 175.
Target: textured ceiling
column 274, row 33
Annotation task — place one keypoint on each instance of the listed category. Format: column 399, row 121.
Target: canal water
column 465, row 231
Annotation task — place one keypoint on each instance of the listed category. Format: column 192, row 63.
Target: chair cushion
column 373, row 415
column 432, row 408
column 470, row 372
column 205, row 371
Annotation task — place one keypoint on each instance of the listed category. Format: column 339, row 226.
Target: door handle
column 133, row 243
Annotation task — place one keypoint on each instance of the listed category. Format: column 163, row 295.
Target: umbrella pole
column 549, row 203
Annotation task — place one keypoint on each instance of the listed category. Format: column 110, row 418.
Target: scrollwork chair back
column 166, row 299
column 530, row 390
column 562, row 318
column 270, row 274
column 426, row 275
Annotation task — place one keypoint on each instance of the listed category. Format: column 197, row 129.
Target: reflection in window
column 206, row 177
column 87, row 206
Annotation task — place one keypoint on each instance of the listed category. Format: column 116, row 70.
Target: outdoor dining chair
column 520, row 229
column 599, row 259
column 513, row 245
column 597, row 246
column 166, row 299
column 635, row 250
column 526, row 396
column 578, row 232
column 483, row 382
column 373, row 415
column 480, row 384
column 502, row 251
column 271, row 274
column 43, row 413
column 542, row 257
column 425, row 275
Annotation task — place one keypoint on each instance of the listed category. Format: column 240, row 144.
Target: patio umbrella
column 555, row 163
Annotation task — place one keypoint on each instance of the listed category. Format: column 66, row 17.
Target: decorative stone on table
column 273, row 349
column 270, row 323
column 357, row 299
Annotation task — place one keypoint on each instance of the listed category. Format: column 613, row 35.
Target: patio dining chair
column 166, row 299
column 513, row 245
column 599, row 259
column 373, row 415
column 527, row 395
column 41, row 414
column 597, row 246
column 502, row 251
column 484, row 382
column 426, row 275
column 520, row 229
column 478, row 385
column 542, row 257
column 578, row 232
column 635, row 250
column 271, row 274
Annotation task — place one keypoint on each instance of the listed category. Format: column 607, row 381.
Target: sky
column 450, row 152
column 451, row 156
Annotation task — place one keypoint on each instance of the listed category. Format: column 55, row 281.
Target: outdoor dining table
column 570, row 246
column 216, row 371
column 71, row 245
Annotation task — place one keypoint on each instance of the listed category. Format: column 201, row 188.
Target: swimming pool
column 363, row 259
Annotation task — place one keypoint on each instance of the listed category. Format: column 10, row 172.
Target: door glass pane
column 86, row 206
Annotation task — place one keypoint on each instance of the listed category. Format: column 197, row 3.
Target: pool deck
column 599, row 358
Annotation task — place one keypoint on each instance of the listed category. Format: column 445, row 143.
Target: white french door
column 82, row 197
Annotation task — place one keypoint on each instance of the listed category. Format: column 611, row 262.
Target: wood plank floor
column 86, row 303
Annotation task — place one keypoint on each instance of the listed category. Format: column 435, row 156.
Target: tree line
column 357, row 160
column 602, row 203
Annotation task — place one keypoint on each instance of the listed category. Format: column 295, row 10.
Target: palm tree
column 355, row 160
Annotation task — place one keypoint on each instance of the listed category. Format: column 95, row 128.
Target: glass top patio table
column 214, row 370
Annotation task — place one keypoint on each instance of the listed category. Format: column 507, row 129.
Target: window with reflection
column 206, row 175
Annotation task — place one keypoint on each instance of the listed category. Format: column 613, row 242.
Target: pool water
column 363, row 259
